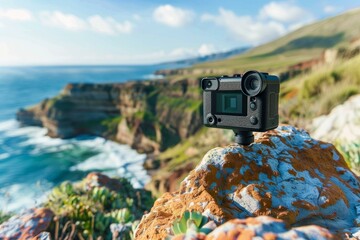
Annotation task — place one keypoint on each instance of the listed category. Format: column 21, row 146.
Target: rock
column 27, row 225
column 265, row 227
column 43, row 236
column 342, row 127
column 285, row 174
column 149, row 116
column 96, row 179
column 336, row 127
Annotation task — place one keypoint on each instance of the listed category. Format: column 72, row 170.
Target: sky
column 102, row 32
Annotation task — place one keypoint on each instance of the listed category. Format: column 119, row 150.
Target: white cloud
column 330, row 9
column 286, row 12
column 96, row 23
column 182, row 53
column 99, row 24
column 108, row 25
column 206, row 49
column 246, row 28
column 136, row 17
column 62, row 20
column 273, row 20
column 125, row 27
column 16, row 14
column 4, row 50
column 173, row 16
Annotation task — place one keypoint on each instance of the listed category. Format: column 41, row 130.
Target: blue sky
column 48, row 32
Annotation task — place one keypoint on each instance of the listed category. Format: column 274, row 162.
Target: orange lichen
column 212, row 189
column 292, row 172
column 304, row 204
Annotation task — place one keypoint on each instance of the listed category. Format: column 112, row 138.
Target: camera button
column 253, row 120
column 253, row 106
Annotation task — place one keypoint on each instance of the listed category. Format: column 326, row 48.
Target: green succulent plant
column 190, row 223
column 92, row 210
column 351, row 153
column 4, row 216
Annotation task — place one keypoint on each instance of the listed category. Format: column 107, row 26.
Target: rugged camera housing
column 244, row 103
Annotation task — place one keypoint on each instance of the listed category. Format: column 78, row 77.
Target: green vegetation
column 191, row 223
column 316, row 93
column 303, row 44
column 179, row 103
column 91, row 210
column 4, row 216
column 111, row 123
column 60, row 103
column 351, row 153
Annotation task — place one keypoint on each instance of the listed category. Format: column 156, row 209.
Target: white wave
column 153, row 76
column 115, row 160
column 8, row 125
column 25, row 131
column 18, row 197
column 4, row 156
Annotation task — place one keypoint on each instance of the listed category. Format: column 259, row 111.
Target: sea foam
column 29, row 144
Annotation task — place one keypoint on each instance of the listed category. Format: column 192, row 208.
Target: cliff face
column 149, row 116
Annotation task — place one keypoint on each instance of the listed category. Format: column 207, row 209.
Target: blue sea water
column 32, row 163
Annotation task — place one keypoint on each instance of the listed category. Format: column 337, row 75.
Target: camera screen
column 230, row 103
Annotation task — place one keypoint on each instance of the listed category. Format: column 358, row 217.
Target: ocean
column 32, row 163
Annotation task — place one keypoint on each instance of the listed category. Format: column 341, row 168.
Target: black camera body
column 244, row 103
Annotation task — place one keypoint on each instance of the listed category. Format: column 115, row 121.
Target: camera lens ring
column 208, row 84
column 252, row 83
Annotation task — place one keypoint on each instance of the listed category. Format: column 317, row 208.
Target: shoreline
column 111, row 158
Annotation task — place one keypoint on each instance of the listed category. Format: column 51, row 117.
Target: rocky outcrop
column 342, row 124
column 26, row 225
column 342, row 128
column 285, row 174
column 265, row 227
column 149, row 116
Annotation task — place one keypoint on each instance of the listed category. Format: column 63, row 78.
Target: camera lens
column 252, row 83
column 208, row 84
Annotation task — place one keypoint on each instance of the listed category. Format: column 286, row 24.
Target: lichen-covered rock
column 285, row 174
column 266, row 228
column 27, row 225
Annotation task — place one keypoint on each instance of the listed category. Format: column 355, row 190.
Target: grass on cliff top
column 315, row 94
column 180, row 103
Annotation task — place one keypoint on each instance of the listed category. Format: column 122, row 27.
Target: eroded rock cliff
column 285, row 174
column 149, row 116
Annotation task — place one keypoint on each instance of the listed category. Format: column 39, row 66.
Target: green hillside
column 303, row 44
column 309, row 94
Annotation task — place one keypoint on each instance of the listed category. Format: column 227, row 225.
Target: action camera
column 244, row 103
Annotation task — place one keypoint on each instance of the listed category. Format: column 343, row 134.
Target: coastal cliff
column 149, row 116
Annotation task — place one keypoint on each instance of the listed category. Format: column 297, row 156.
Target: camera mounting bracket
column 244, row 137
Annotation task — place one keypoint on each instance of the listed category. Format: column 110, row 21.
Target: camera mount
column 244, row 137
